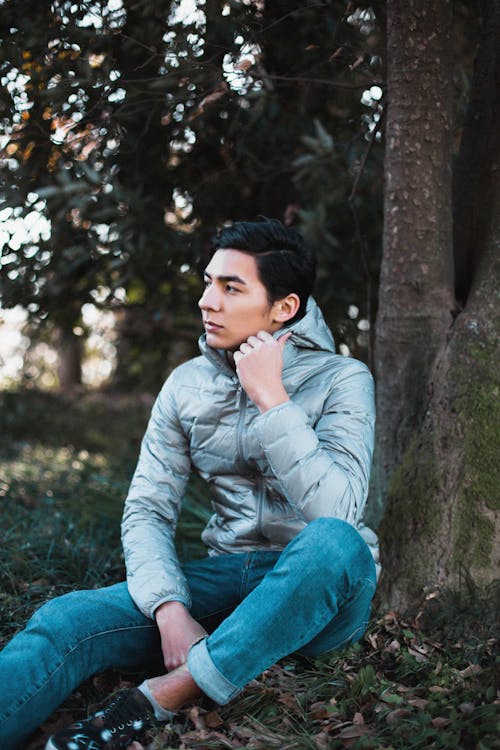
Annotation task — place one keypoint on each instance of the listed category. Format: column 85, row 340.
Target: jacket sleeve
column 324, row 469
column 152, row 507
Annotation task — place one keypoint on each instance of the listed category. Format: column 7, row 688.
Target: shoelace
column 118, row 714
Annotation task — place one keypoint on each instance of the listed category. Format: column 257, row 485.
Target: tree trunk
column 441, row 520
column 473, row 180
column 416, row 284
column 69, row 367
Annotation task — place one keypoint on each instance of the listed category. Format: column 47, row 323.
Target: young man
column 281, row 429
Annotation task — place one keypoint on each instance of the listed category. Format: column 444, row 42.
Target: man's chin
column 216, row 341
column 220, row 340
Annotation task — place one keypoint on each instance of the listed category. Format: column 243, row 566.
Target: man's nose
column 210, row 299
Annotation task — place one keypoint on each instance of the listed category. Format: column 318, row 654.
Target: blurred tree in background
column 136, row 128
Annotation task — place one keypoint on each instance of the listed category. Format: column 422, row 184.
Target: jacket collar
column 311, row 332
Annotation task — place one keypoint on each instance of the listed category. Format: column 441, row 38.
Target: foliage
column 136, row 131
column 63, row 484
column 422, row 683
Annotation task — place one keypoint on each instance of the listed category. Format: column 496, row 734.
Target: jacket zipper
column 260, row 500
column 240, row 426
column 240, row 423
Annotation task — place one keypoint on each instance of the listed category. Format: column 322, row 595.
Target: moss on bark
column 440, row 519
column 478, row 408
column 411, row 513
column 478, row 411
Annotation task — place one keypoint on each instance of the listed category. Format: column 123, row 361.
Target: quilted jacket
column 268, row 474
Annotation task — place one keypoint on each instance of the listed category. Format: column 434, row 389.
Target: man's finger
column 283, row 339
column 264, row 336
column 254, row 341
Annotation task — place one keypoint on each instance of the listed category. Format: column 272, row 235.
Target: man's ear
column 286, row 308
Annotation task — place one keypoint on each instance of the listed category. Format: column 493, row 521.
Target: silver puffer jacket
column 268, row 474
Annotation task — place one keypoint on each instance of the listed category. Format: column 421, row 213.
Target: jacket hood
column 311, row 332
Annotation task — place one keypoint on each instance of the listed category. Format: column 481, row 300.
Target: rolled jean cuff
column 207, row 676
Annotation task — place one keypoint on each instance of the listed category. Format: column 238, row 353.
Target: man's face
column 234, row 304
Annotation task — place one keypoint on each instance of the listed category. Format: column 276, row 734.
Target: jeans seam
column 65, row 657
column 245, row 575
column 361, row 627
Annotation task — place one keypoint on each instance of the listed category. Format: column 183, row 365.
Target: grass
column 428, row 682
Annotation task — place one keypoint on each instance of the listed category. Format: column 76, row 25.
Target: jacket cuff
column 169, row 598
column 149, row 604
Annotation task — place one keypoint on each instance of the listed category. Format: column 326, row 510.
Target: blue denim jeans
column 258, row 607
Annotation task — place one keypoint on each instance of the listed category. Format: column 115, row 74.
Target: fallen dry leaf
column 195, row 717
column 393, row 646
column 322, row 740
column 466, row 708
column 440, row 721
column 419, row 703
column 288, row 700
column 354, row 731
column 319, row 710
column 213, row 720
column 403, row 689
column 418, row 655
column 398, row 713
column 471, row 670
column 202, row 739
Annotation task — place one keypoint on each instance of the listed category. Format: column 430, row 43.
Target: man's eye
column 230, row 288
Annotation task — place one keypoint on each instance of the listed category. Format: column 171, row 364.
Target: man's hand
column 178, row 631
column 259, row 366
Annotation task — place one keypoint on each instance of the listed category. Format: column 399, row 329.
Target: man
column 281, row 429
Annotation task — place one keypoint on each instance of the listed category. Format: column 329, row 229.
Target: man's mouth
column 211, row 327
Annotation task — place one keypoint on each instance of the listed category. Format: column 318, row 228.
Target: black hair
column 285, row 263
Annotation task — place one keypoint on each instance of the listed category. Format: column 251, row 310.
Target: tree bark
column 69, row 367
column 473, row 180
column 416, row 284
column 441, row 520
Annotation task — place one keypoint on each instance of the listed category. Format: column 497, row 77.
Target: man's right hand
column 178, row 631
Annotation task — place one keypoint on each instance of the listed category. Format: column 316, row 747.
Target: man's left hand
column 259, row 366
column 178, row 632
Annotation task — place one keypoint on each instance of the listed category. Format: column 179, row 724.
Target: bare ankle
column 175, row 689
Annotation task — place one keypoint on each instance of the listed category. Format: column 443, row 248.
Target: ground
column 426, row 680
